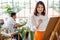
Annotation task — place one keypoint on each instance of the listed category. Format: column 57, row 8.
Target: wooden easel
column 51, row 31
column 55, row 34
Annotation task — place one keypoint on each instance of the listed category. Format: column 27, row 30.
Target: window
column 53, row 7
column 26, row 7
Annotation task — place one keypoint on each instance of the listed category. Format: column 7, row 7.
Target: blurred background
column 24, row 8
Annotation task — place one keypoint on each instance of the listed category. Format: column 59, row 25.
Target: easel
column 55, row 34
column 52, row 26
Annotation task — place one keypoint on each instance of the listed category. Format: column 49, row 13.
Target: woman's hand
column 39, row 22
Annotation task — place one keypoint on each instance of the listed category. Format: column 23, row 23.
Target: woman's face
column 40, row 8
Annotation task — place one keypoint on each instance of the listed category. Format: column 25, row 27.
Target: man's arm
column 18, row 25
column 22, row 25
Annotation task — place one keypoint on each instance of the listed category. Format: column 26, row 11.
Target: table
column 3, row 36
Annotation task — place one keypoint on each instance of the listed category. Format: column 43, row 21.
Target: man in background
column 12, row 25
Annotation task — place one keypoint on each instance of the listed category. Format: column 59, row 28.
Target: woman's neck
column 39, row 14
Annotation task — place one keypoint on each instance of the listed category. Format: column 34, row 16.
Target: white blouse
column 43, row 25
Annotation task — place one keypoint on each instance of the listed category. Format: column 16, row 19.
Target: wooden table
column 12, row 36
